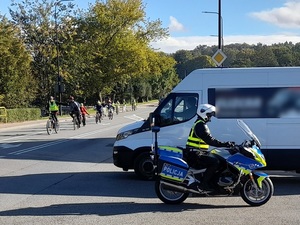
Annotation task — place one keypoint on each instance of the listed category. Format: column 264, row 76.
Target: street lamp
column 59, row 79
column 220, row 30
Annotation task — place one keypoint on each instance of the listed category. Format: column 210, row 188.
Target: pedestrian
column 84, row 112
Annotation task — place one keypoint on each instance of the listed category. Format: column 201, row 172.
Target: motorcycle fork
column 253, row 180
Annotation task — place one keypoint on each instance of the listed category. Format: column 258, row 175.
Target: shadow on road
column 110, row 209
column 112, row 184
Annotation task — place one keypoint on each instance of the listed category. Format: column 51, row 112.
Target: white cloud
column 285, row 17
column 174, row 25
column 173, row 44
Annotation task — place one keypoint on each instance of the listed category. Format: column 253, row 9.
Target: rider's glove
column 229, row 144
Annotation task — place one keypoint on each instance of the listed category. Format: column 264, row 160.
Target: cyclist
column 99, row 109
column 74, row 109
column 53, row 108
column 110, row 107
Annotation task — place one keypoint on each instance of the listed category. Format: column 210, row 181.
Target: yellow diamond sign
column 219, row 57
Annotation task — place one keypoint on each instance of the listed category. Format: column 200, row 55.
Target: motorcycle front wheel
column 255, row 196
column 169, row 196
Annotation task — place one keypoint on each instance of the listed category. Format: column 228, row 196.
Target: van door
column 176, row 115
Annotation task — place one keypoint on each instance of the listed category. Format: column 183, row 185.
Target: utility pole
column 220, row 45
column 59, row 78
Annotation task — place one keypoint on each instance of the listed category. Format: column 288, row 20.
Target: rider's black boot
column 205, row 187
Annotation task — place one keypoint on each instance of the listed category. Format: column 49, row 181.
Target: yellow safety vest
column 53, row 106
column 194, row 141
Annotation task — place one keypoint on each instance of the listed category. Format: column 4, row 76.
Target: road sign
column 219, row 57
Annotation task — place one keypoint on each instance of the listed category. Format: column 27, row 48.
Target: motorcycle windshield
column 244, row 127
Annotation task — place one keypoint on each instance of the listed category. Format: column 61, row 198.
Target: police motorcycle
column 237, row 174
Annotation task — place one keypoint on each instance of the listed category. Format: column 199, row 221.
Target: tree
column 283, row 54
column 114, row 36
column 199, row 62
column 17, row 86
column 264, row 57
column 37, row 22
column 182, row 57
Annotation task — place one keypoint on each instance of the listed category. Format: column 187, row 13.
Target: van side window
column 257, row 102
column 178, row 108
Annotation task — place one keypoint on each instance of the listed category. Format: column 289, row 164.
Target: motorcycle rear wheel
column 169, row 196
column 255, row 196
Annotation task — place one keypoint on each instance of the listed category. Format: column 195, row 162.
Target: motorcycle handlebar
column 234, row 148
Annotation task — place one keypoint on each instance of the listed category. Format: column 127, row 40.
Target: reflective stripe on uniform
column 196, row 142
column 53, row 107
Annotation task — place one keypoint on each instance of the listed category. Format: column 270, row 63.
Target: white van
column 267, row 99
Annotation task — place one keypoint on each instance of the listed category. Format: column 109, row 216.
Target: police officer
column 198, row 144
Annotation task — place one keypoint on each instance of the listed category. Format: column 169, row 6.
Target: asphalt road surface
column 69, row 178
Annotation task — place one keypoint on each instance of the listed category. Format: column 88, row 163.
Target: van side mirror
column 151, row 119
column 154, row 119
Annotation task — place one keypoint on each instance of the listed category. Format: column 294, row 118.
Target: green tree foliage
column 238, row 55
column 296, row 54
column 284, row 54
column 187, row 61
column 17, row 86
column 43, row 33
column 166, row 78
column 114, row 36
column 105, row 51
column 264, row 56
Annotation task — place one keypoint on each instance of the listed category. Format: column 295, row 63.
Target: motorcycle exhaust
column 174, row 187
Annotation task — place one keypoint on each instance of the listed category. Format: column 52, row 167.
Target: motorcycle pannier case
column 172, row 168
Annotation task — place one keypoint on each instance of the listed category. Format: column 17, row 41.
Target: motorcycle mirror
column 155, row 129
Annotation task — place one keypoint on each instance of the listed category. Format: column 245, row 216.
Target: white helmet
column 206, row 111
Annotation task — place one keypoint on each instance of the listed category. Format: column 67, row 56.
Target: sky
column 243, row 21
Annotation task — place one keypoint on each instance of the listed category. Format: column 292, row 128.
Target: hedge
column 22, row 114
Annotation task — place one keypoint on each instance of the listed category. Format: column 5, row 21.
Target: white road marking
column 9, row 145
column 134, row 117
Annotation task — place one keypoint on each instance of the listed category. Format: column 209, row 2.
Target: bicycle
column 51, row 125
column 110, row 114
column 76, row 124
column 98, row 117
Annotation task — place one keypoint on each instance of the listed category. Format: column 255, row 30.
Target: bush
column 23, row 114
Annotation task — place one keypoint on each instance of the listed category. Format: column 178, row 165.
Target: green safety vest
column 194, row 141
column 53, row 106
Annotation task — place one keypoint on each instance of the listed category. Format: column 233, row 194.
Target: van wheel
column 143, row 166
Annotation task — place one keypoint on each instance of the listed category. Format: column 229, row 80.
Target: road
column 69, row 178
